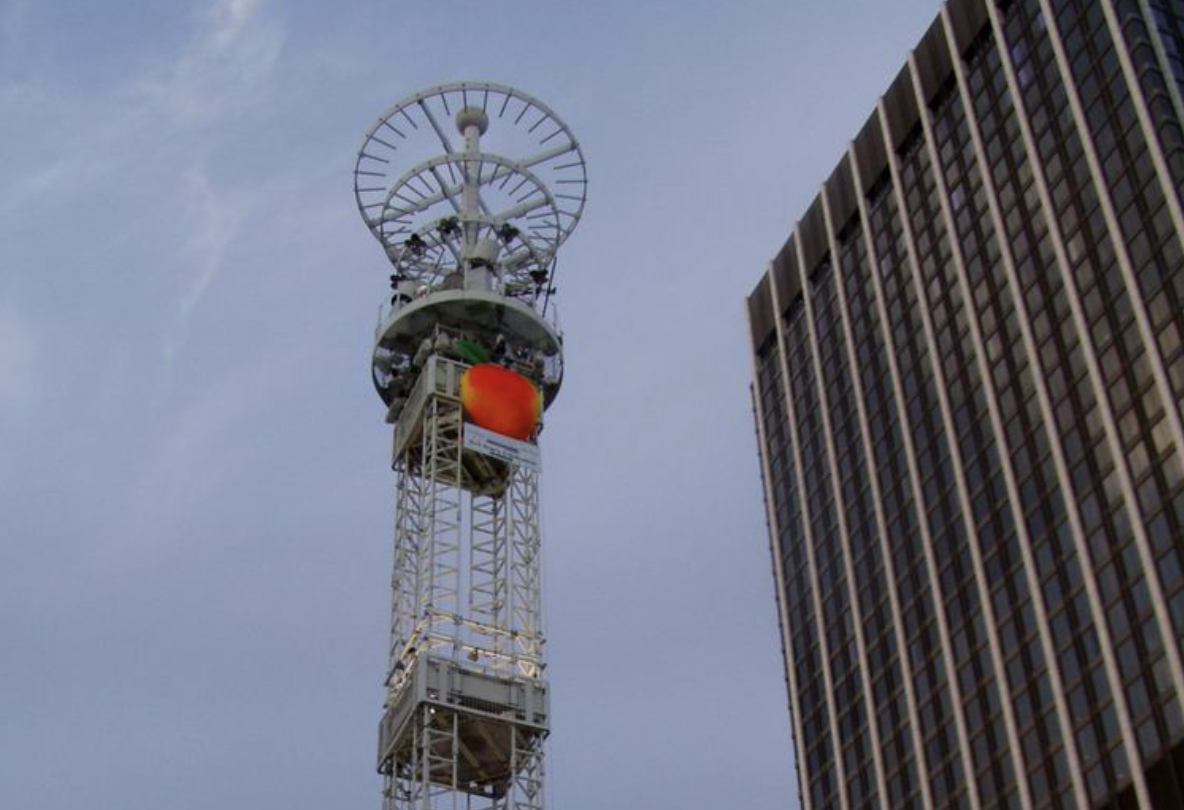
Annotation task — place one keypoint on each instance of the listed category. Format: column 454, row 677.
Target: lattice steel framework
column 495, row 620
column 472, row 236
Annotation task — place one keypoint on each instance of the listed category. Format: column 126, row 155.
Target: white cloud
column 234, row 51
column 214, row 219
column 157, row 129
column 89, row 134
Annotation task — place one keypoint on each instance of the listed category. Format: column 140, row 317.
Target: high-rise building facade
column 968, row 385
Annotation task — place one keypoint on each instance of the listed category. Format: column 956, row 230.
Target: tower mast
column 467, row 356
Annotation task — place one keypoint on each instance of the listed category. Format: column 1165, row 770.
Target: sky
column 195, row 492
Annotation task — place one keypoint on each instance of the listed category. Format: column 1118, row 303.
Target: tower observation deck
column 470, row 188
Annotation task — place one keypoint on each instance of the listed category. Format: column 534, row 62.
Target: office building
column 968, row 384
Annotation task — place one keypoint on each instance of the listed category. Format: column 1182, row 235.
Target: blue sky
column 195, row 494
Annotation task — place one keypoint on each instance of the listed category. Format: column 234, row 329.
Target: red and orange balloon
column 501, row 400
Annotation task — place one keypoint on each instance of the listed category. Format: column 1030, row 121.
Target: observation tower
column 470, row 188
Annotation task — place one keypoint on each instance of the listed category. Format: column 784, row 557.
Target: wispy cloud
column 156, row 129
column 214, row 218
column 234, row 50
column 225, row 69
column 91, row 134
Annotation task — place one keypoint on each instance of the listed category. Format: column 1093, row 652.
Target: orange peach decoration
column 500, row 400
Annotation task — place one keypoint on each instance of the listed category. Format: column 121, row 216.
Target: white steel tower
column 471, row 188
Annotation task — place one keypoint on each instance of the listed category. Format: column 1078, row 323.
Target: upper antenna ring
column 513, row 125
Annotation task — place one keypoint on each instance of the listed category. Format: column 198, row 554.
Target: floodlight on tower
column 470, row 188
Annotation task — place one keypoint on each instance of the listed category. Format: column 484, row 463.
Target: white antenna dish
column 491, row 178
